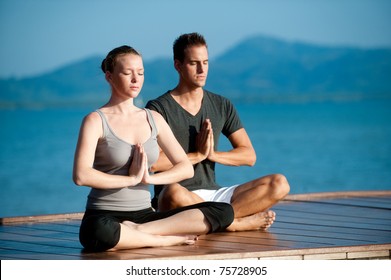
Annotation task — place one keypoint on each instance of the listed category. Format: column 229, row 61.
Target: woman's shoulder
column 160, row 122
column 93, row 119
column 156, row 115
column 93, row 116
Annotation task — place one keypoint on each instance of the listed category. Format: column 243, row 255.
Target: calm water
column 319, row 147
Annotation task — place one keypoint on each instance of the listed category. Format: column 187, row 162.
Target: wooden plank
column 273, row 240
column 283, row 214
column 381, row 254
column 133, row 254
column 284, row 253
column 339, row 224
column 67, row 226
column 41, row 218
column 326, row 256
column 382, row 202
column 38, row 236
column 342, row 211
column 282, row 258
column 326, row 220
column 336, row 235
column 323, row 204
column 37, row 229
column 358, row 203
column 37, row 250
column 329, row 195
column 287, row 227
column 48, row 244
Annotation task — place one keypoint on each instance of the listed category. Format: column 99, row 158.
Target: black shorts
column 100, row 229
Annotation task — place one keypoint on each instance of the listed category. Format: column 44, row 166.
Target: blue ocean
column 319, row 147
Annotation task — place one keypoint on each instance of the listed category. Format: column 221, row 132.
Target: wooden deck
column 354, row 225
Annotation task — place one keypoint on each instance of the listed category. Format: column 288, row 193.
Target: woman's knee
column 99, row 233
column 228, row 215
column 220, row 215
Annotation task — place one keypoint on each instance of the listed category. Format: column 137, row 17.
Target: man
column 198, row 117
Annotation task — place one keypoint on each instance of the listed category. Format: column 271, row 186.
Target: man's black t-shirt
column 185, row 126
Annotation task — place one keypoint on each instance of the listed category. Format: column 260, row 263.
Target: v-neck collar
column 184, row 110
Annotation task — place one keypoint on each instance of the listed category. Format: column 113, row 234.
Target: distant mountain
column 257, row 69
column 72, row 84
column 266, row 68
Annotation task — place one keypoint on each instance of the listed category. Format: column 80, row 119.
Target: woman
column 117, row 145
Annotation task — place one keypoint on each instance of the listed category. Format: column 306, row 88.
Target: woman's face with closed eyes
column 127, row 77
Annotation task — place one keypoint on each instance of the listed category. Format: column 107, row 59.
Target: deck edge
column 343, row 252
column 326, row 195
column 40, row 218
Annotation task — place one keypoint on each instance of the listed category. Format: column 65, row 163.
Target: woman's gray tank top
column 113, row 156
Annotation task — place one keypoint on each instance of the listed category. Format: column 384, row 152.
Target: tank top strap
column 151, row 121
column 105, row 125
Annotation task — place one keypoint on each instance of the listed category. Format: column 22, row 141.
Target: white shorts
column 220, row 195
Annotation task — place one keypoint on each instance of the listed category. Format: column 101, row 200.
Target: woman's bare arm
column 179, row 167
column 83, row 172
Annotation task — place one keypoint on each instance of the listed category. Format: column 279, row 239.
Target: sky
column 41, row 35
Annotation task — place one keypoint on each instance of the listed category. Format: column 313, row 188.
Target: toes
column 271, row 213
column 190, row 242
column 191, row 239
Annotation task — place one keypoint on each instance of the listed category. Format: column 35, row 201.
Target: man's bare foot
column 271, row 217
column 261, row 220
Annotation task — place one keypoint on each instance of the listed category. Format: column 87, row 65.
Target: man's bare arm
column 242, row 153
column 163, row 163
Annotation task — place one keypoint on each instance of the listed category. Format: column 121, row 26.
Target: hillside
column 257, row 69
column 261, row 68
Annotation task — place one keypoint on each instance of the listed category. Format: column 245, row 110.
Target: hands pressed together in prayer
column 139, row 165
column 205, row 141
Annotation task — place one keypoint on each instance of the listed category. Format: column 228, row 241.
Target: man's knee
column 279, row 186
column 172, row 196
column 172, row 192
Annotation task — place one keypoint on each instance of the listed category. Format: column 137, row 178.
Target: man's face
column 194, row 69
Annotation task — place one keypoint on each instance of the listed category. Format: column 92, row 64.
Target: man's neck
column 189, row 99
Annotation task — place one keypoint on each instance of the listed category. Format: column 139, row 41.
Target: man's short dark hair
column 187, row 40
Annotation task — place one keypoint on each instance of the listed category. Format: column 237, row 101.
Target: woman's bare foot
column 162, row 240
column 261, row 220
column 190, row 239
column 175, row 240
